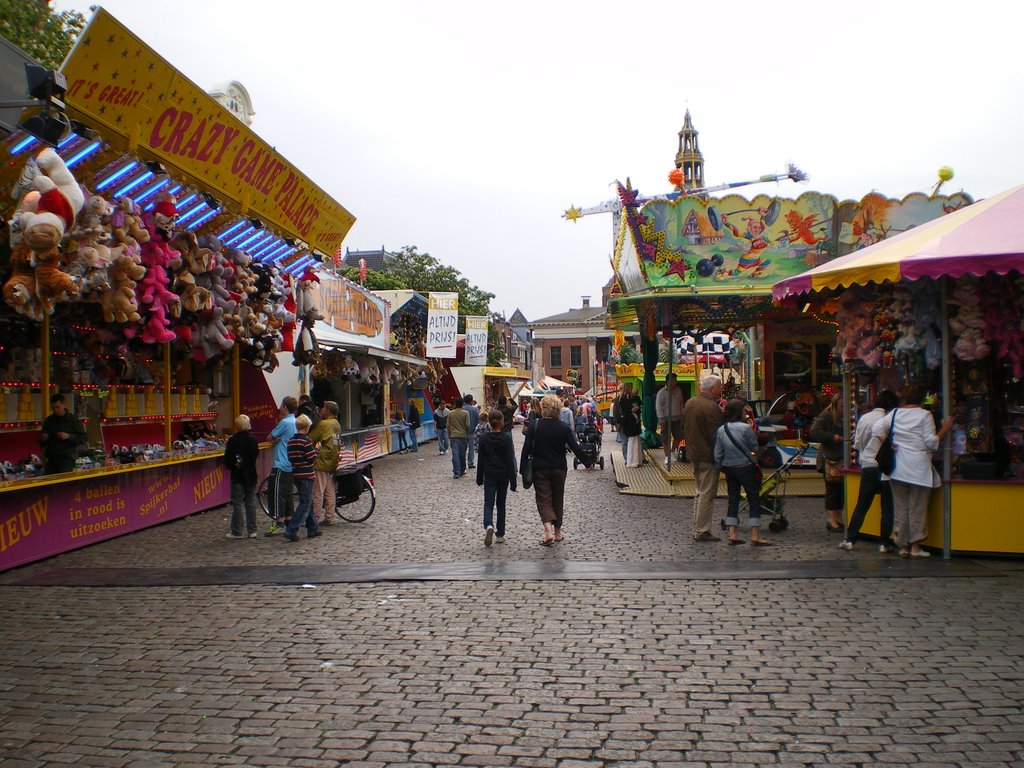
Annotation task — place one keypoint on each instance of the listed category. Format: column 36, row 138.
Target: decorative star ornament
column 573, row 213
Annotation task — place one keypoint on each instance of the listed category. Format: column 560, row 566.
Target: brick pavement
column 924, row 672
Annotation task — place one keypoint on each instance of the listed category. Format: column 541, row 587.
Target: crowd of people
column 718, row 434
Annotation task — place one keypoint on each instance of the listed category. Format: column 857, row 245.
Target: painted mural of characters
column 751, row 262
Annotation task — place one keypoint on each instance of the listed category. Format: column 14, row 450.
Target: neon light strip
column 268, row 256
column 205, row 217
column 116, row 175
column 265, row 248
column 24, row 143
column 300, row 265
column 251, row 239
column 234, row 227
column 267, row 237
column 281, row 256
column 184, row 216
column 238, row 238
column 147, row 192
column 83, row 154
column 132, row 185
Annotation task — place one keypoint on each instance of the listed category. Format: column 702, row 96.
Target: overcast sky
column 467, row 128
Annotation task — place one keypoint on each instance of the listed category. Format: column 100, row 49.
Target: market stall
column 158, row 259
column 694, row 265
column 942, row 305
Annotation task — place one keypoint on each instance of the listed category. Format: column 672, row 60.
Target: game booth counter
column 688, row 265
column 943, row 306
column 158, row 260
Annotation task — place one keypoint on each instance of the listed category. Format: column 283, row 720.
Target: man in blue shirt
column 279, row 487
column 474, row 418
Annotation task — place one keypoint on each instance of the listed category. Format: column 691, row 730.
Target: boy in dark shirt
column 302, row 454
column 496, row 472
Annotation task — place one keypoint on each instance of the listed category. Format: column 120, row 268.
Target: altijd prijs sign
column 120, row 86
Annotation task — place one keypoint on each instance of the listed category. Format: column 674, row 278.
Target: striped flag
column 346, row 452
column 371, row 447
column 362, row 271
column 337, row 256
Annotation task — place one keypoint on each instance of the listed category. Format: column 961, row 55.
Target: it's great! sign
column 116, row 81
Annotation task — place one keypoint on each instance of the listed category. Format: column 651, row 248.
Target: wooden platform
column 655, row 479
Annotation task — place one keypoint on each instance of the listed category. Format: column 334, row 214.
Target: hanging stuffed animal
column 307, row 351
column 20, row 289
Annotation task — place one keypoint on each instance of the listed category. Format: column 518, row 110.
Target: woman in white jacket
column 914, row 477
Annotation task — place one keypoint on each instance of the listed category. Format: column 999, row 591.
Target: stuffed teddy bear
column 43, row 220
column 91, row 223
column 126, row 224
column 119, row 304
column 53, row 285
column 89, row 269
column 20, row 288
column 349, row 368
column 211, row 337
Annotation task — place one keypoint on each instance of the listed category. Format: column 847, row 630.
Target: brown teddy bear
column 20, row 288
column 119, row 304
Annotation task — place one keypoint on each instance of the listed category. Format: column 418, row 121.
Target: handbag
column 526, row 471
column 833, row 473
column 886, row 457
column 758, row 472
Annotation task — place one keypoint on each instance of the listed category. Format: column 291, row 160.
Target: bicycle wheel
column 355, row 508
column 263, row 494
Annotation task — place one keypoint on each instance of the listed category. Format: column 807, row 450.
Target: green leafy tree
column 375, row 281
column 40, row 32
column 422, row 272
column 628, row 354
column 495, row 349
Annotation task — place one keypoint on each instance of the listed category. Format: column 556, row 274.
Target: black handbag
column 526, row 471
column 886, row 457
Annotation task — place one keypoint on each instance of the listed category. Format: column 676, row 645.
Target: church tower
column 689, row 158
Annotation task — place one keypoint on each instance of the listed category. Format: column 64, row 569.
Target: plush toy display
column 43, row 221
column 969, row 321
column 307, row 291
column 307, row 350
column 153, row 291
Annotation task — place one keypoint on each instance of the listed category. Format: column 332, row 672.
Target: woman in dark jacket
column 546, row 442
column 827, row 429
column 240, row 456
column 496, row 472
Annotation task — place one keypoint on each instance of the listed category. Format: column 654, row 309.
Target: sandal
column 734, row 542
column 547, row 542
column 762, row 543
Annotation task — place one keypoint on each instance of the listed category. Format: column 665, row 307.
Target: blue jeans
column 471, row 447
column 871, row 483
column 280, row 487
column 737, row 478
column 458, row 456
column 401, row 440
column 304, row 514
column 495, row 491
column 414, row 444
column 442, row 440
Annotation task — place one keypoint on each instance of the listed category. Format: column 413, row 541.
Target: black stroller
column 590, row 443
column 773, row 494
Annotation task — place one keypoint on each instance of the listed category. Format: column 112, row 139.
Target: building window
column 556, row 357
column 575, row 356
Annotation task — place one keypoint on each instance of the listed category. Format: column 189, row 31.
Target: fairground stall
column 943, row 306
column 157, row 260
column 688, row 265
column 371, row 363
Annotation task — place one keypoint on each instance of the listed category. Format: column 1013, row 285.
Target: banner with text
column 442, row 325
column 476, row 341
column 122, row 87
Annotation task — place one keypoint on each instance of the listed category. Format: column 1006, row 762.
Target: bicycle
column 355, row 496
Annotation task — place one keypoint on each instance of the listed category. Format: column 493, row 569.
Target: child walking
column 496, row 472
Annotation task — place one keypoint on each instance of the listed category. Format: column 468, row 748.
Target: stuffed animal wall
column 119, row 303
column 153, row 291
column 20, row 288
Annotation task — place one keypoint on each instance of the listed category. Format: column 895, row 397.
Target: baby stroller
column 773, row 493
column 590, row 443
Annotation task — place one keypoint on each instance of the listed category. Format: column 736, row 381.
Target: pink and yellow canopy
column 987, row 236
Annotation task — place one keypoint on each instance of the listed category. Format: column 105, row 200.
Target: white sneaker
column 489, row 536
column 667, row 458
column 884, row 549
column 254, row 535
column 846, row 546
column 499, row 539
column 233, row 536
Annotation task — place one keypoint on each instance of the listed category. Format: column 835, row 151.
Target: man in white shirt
column 669, row 407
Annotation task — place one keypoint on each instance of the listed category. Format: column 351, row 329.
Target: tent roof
column 980, row 238
column 550, row 382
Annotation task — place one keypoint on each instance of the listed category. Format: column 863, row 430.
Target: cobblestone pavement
column 632, row 673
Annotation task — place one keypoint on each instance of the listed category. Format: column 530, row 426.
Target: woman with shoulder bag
column 827, row 429
column 735, row 448
column 914, row 477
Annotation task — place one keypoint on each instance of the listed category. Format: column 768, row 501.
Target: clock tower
column 689, row 158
